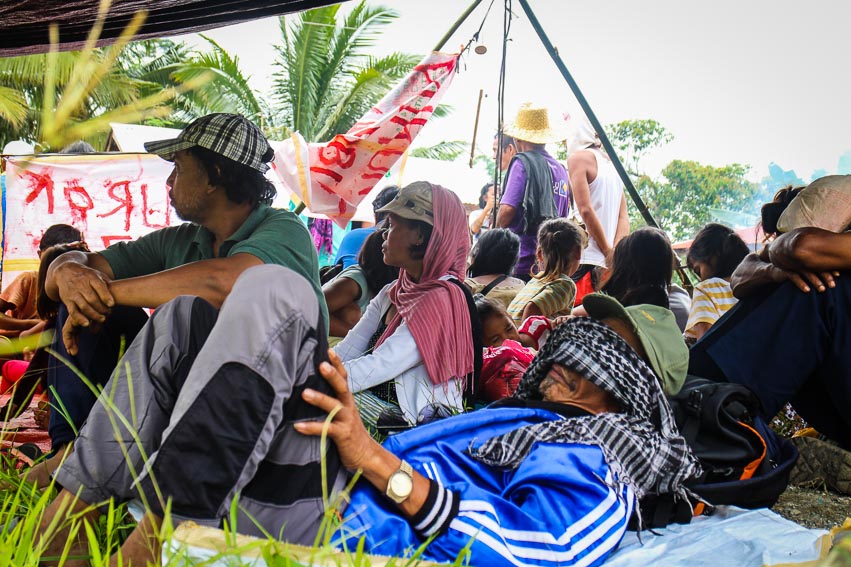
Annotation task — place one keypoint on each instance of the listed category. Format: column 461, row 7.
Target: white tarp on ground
column 732, row 537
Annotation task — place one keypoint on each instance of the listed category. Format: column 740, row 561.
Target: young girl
column 713, row 256
column 550, row 292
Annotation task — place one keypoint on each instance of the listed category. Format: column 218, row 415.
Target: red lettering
column 126, row 203
column 146, row 211
column 109, row 240
column 78, row 200
column 338, row 152
column 38, row 183
column 329, row 172
column 378, row 170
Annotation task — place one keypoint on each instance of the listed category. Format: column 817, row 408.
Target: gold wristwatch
column 400, row 484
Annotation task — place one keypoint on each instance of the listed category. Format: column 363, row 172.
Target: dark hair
column 487, row 308
column 771, row 212
column 78, row 147
column 384, row 196
column 719, row 247
column 506, row 140
column 642, row 268
column 46, row 307
column 242, row 183
column 495, row 252
column 59, row 234
column 371, row 260
column 418, row 251
column 483, row 195
column 560, row 241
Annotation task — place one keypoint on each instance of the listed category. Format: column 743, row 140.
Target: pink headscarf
column 436, row 310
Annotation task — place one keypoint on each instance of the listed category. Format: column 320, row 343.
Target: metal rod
column 476, row 127
column 607, row 145
column 456, row 25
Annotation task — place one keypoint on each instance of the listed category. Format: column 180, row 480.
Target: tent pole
column 648, row 217
column 607, row 145
column 456, row 25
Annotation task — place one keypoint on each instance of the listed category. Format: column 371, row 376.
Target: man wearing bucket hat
column 536, row 185
column 600, row 201
column 218, row 184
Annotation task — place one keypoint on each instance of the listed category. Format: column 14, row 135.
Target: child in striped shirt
column 715, row 253
column 550, row 292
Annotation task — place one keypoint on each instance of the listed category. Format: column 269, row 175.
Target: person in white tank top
column 598, row 192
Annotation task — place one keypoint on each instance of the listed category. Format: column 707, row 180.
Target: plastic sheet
column 732, row 537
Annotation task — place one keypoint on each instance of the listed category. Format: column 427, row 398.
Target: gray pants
column 199, row 413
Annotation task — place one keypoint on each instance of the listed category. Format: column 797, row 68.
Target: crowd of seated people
column 587, row 413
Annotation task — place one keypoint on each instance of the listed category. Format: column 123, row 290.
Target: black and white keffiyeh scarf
column 641, row 445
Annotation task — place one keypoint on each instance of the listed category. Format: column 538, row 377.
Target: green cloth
column 275, row 236
column 356, row 274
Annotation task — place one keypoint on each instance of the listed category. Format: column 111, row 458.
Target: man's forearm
column 812, row 249
column 208, row 279
column 751, row 274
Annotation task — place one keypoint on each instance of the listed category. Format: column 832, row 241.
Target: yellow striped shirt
column 712, row 298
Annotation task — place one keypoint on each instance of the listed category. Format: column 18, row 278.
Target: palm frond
column 355, row 98
column 443, row 151
column 13, row 107
column 227, row 91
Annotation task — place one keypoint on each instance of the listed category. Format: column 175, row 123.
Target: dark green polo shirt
column 275, row 236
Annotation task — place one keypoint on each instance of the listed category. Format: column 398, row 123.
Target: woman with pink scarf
column 413, row 348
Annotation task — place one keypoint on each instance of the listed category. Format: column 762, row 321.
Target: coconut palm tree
column 325, row 79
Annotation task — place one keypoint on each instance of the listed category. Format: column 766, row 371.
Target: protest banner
column 108, row 197
column 332, row 178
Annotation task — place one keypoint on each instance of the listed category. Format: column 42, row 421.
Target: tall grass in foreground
column 22, row 509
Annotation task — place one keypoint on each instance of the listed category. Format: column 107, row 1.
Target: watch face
column 401, row 484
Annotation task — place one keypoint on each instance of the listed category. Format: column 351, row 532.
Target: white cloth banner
column 334, row 177
column 108, row 197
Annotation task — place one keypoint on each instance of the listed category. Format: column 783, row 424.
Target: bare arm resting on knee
column 808, row 257
column 84, row 283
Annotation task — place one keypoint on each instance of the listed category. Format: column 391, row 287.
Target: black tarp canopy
column 24, row 24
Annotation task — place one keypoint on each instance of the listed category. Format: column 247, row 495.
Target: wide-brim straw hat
column 533, row 125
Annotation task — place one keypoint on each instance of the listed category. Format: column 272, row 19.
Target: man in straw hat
column 600, row 202
column 536, row 186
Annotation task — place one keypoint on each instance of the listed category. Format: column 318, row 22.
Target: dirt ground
column 813, row 507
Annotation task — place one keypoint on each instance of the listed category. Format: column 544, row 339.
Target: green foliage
column 22, row 91
column 445, row 151
column 689, row 194
column 634, row 138
column 325, row 81
column 683, row 203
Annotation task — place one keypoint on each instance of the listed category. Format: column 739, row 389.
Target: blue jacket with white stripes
column 561, row 506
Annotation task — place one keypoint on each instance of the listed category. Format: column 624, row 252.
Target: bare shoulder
column 583, row 159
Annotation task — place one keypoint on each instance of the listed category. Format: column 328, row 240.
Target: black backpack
column 745, row 463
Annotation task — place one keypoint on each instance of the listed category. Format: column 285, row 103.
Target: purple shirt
column 515, row 188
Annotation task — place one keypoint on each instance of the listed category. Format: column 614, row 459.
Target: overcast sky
column 734, row 81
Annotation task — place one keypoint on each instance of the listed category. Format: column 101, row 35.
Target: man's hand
column 357, row 449
column 85, row 292
column 805, row 281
